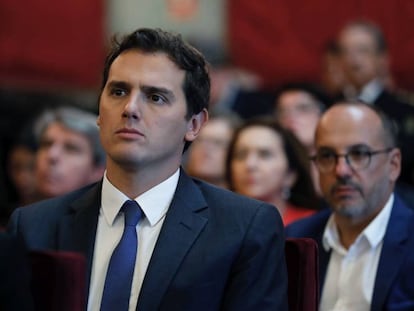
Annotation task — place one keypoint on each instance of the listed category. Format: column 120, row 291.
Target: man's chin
column 349, row 210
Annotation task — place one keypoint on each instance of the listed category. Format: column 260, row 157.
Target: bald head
column 350, row 117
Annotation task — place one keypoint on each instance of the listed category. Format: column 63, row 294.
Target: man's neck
column 350, row 228
column 134, row 182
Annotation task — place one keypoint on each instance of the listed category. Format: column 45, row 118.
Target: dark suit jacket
column 216, row 250
column 394, row 282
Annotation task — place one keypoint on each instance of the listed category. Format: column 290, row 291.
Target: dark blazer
column 394, row 282
column 216, row 250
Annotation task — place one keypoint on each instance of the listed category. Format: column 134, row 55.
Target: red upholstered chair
column 58, row 280
column 303, row 279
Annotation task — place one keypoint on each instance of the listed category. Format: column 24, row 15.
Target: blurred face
column 206, row 158
column 259, row 164
column 361, row 60
column 21, row 168
column 64, row 161
column 299, row 112
column 332, row 73
column 356, row 194
column 142, row 114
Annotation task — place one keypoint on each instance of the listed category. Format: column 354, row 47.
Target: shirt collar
column 373, row 233
column 371, row 91
column 154, row 202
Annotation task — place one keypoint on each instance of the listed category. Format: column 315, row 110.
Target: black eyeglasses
column 356, row 158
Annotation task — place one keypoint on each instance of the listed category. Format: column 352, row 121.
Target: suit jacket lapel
column 392, row 253
column 181, row 228
column 78, row 229
column 324, row 257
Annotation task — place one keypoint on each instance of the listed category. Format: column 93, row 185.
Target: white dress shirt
column 371, row 91
column 368, row 94
column 154, row 204
column 350, row 275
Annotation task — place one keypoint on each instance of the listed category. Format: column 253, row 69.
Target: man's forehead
column 348, row 113
column 349, row 123
column 354, row 31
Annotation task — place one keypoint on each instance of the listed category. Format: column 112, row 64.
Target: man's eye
column 358, row 154
column 118, row 92
column 326, row 156
column 158, row 99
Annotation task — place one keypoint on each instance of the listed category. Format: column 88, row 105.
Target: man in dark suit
column 199, row 247
column 365, row 238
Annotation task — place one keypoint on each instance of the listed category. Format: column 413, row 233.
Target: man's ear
column 395, row 164
column 195, row 124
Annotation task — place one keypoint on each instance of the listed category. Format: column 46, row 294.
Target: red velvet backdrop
column 282, row 40
column 47, row 43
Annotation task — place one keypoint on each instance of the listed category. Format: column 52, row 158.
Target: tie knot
column 132, row 212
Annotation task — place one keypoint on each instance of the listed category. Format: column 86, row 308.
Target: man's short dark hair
column 197, row 81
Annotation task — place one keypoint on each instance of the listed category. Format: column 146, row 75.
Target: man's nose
column 132, row 107
column 342, row 167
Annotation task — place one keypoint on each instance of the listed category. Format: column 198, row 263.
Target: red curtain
column 47, row 43
column 282, row 40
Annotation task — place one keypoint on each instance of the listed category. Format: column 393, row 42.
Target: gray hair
column 74, row 119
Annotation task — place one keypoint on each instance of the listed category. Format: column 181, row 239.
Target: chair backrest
column 58, row 280
column 303, row 278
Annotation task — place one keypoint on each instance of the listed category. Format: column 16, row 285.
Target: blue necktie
column 120, row 272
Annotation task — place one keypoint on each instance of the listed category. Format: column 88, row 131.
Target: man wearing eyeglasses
column 366, row 240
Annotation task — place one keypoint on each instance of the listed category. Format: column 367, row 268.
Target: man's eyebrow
column 360, row 146
column 118, row 84
column 159, row 90
column 351, row 147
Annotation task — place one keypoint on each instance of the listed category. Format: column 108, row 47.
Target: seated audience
column 365, row 238
column 207, row 155
column 70, row 154
column 268, row 163
column 21, row 158
column 298, row 107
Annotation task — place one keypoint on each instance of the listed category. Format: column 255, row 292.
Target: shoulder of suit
column 405, row 97
column 309, row 226
column 224, row 196
column 60, row 201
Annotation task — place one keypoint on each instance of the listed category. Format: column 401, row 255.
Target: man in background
column 69, row 154
column 365, row 238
